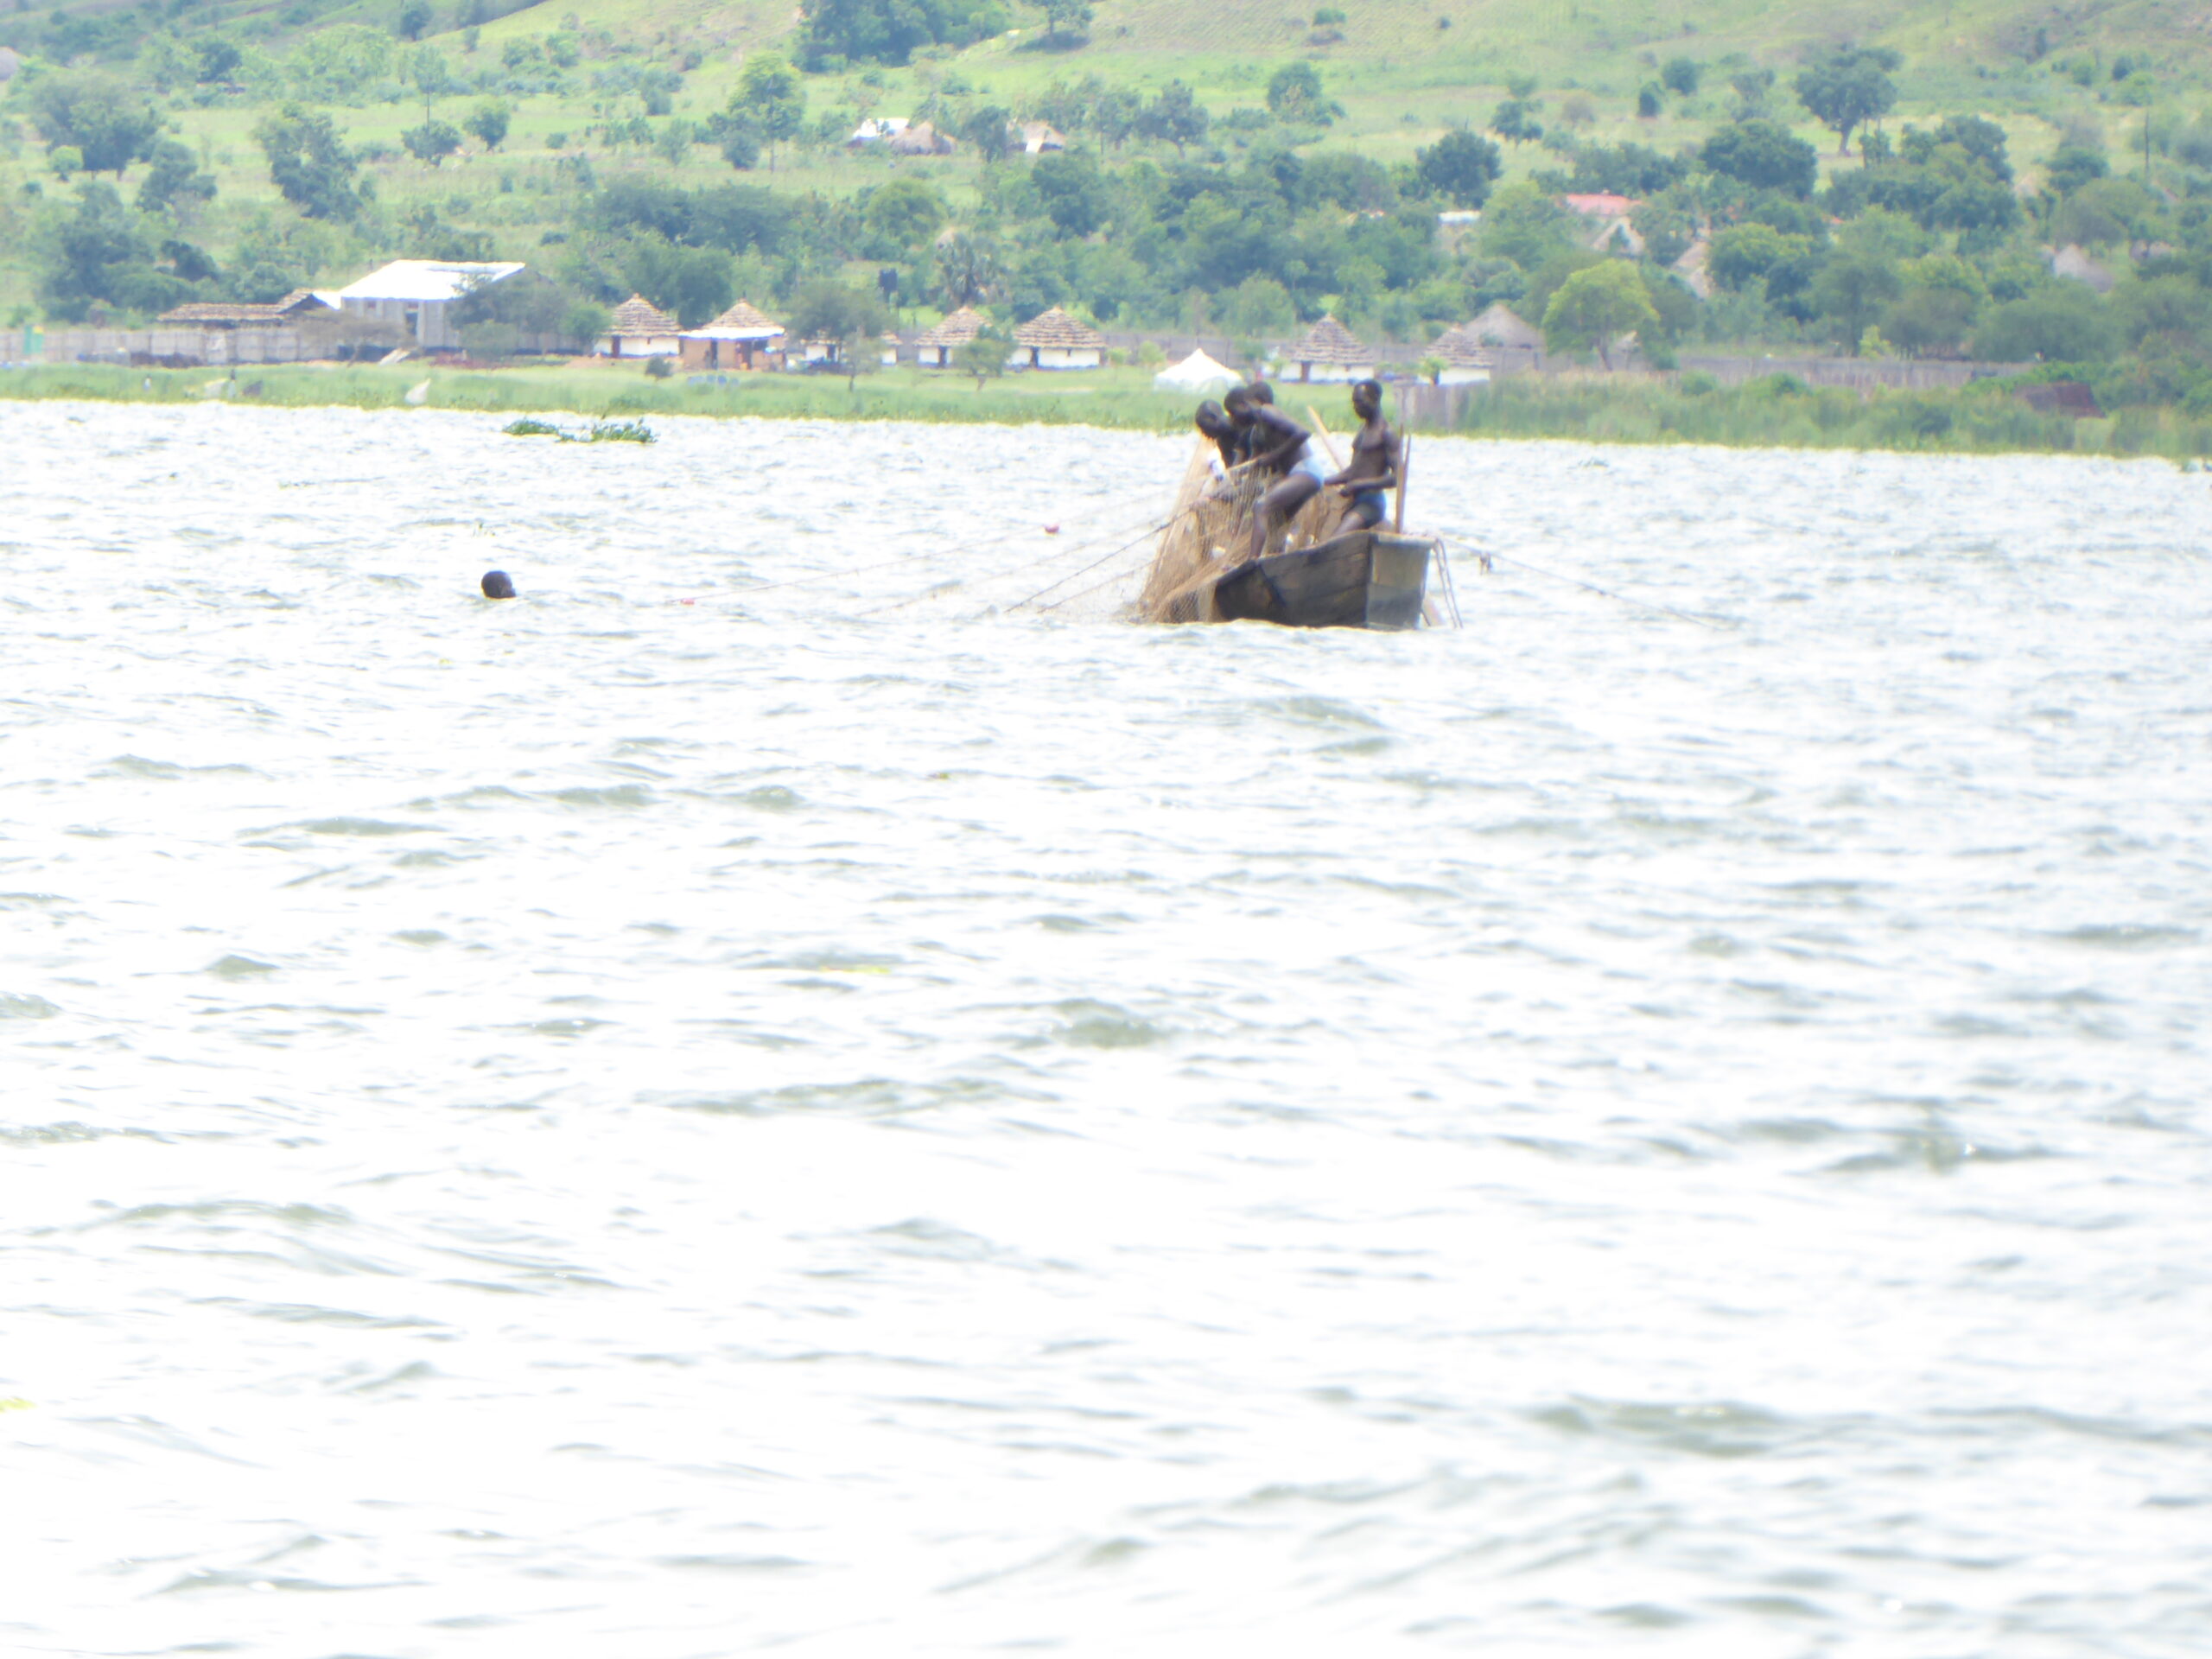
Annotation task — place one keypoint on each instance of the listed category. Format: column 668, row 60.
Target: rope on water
column 1150, row 530
column 1016, row 570
column 926, row 553
column 1594, row 588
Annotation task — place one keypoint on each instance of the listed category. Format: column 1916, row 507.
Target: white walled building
column 417, row 296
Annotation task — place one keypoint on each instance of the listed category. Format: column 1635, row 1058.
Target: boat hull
column 1365, row 579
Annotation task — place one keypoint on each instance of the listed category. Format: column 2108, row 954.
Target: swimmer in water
column 1373, row 469
column 497, row 586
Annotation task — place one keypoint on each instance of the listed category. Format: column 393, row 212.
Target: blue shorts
column 1368, row 508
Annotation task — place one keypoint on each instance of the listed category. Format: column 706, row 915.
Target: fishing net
column 1151, row 568
column 1210, row 531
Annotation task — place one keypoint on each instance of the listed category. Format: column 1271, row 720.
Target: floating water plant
column 601, row 432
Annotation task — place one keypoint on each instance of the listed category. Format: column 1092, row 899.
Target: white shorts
column 1311, row 465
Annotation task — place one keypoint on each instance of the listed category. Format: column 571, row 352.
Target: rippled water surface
column 673, row 1116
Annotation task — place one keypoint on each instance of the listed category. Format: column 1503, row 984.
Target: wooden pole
column 1405, row 465
column 1327, row 443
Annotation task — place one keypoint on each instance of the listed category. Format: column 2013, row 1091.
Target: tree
column 1460, row 167
column 672, row 143
column 1073, row 190
column 2063, row 323
column 1114, row 117
column 985, row 130
column 493, row 318
column 1257, row 307
column 432, row 142
column 890, row 31
column 415, row 19
column 738, row 136
column 1295, row 95
column 1063, row 19
column 1848, row 86
column 1763, row 155
column 1928, row 319
column 1668, row 230
column 1752, row 88
column 984, row 356
column 308, row 163
column 696, row 283
column 218, row 61
column 851, row 317
column 1511, row 122
column 175, row 180
column 1680, row 76
column 1851, row 291
column 1650, row 99
column 1173, row 117
column 488, row 121
column 966, row 272
column 2072, row 167
column 1743, row 253
column 906, row 212
column 99, row 254
column 107, row 124
column 1595, row 306
column 768, row 91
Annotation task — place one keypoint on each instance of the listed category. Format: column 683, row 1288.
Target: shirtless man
column 1277, row 445
column 1213, row 423
column 1373, row 469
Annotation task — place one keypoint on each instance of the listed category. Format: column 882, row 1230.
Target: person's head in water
column 1367, row 399
column 497, row 586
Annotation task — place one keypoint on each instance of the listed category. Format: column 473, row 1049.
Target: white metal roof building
column 416, row 295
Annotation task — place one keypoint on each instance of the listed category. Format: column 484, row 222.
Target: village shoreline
column 1777, row 412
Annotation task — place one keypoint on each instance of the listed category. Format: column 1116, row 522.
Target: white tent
column 1196, row 373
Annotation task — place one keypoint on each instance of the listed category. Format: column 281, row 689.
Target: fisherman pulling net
column 1258, row 482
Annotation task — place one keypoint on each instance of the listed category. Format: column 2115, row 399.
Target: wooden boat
column 1323, row 577
column 1362, row 578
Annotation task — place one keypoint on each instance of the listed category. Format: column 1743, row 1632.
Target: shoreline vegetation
column 1776, row 411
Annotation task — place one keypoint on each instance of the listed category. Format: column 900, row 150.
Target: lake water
column 674, row 1116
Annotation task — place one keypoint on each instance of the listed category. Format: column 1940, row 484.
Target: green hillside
column 628, row 160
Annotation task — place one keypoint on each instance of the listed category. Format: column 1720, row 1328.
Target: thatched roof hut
column 1054, row 339
column 640, row 328
column 743, row 321
column 922, row 138
column 1331, row 351
column 1501, row 326
column 639, row 318
column 743, row 337
column 933, row 347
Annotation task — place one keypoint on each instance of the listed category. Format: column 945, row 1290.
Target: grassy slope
column 1401, row 78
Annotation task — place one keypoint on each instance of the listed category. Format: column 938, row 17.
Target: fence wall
column 183, row 347
column 1858, row 373
column 1440, row 408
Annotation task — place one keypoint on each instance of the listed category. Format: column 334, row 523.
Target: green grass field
column 1982, row 419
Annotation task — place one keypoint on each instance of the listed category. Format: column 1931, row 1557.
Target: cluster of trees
column 1926, row 245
